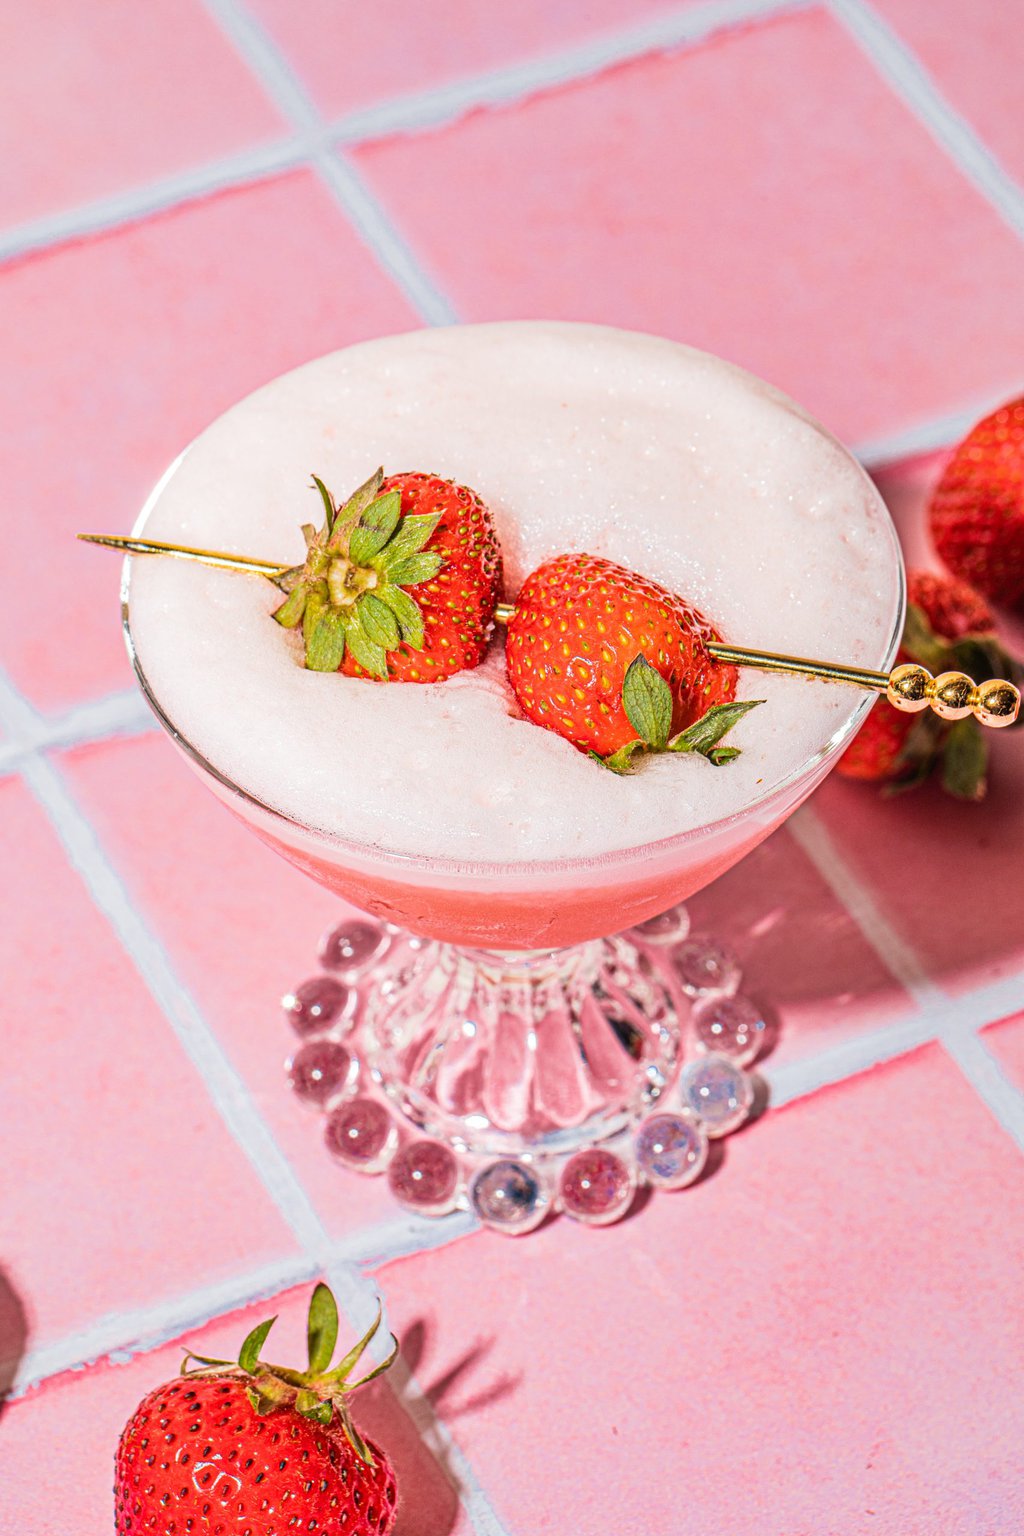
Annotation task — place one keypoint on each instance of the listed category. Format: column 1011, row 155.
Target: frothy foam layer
column 579, row 438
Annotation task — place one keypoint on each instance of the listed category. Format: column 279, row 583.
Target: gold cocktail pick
column 910, row 687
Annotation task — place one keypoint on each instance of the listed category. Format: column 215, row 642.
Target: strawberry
column 977, row 510
column 617, row 664
column 948, row 628
column 256, row 1450
column 401, row 582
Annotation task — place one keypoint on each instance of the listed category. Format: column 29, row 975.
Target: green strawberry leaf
column 378, row 622
column 619, row 762
column 291, row 610
column 920, row 641
column 312, row 1407
column 965, row 761
column 375, row 527
column 348, row 516
column 356, row 1440
column 409, row 538
column 373, row 658
column 343, row 1370
column 325, row 647
column 249, row 1354
column 721, row 755
column 195, row 1365
column 321, row 1329
column 416, row 568
column 288, row 580
column 317, row 601
column 378, row 1370
column 407, row 611
column 704, row 734
column 329, row 508
column 647, row 700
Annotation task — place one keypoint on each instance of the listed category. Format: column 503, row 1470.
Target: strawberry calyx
column 647, row 701
column 319, row 1393
column 961, row 747
column 350, row 592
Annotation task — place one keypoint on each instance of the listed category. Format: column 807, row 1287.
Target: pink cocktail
column 504, row 1018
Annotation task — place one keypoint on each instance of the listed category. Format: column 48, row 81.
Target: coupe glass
column 525, row 1010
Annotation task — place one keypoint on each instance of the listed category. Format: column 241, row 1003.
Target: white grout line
column 944, row 1018
column 986, row 1076
column 908, row 78
column 110, row 718
column 367, row 216
column 222, row 1083
column 137, row 203
column 401, row 1236
column 410, row 113
column 810, row 833
column 437, row 106
column 799, row 1079
column 119, row 1336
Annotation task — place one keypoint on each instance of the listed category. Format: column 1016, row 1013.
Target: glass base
column 514, row 1083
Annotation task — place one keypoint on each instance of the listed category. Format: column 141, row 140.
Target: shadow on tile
column 13, row 1336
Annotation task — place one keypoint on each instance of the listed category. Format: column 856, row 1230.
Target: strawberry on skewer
column 648, row 674
column 618, row 665
column 399, row 582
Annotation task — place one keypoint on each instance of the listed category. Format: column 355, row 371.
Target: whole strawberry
column 977, row 511
column 617, row 664
column 257, row 1449
column 949, row 627
column 400, row 582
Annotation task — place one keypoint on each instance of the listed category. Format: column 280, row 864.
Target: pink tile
column 100, row 98
column 239, row 940
column 76, row 1420
column 817, row 1340
column 972, row 52
column 1006, row 1040
column 399, row 46
column 804, row 959
column 945, row 875
column 116, row 352
column 817, row 235
column 116, row 1166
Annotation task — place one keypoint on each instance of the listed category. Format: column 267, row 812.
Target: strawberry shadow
column 13, row 1336
column 405, row 1420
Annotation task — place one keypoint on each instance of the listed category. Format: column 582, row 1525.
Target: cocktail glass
column 521, row 1012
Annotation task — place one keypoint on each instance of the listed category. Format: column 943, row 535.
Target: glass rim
column 366, row 852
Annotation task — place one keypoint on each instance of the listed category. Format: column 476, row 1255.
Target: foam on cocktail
column 578, row 438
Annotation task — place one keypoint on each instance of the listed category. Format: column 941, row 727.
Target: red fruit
column 252, row 1450
column 616, row 663
column 400, row 583
column 948, row 628
column 977, row 511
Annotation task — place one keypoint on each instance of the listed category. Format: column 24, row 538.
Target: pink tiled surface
column 102, row 97
column 402, row 47
column 754, row 1375
column 727, row 1358
column 970, row 51
column 149, row 333
column 620, row 178
column 109, row 1157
